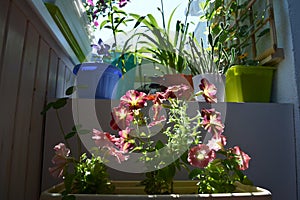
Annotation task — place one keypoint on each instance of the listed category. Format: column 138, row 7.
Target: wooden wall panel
column 29, row 74
column 69, row 78
column 52, row 76
column 4, row 6
column 9, row 83
column 34, row 157
column 60, row 82
column 23, row 110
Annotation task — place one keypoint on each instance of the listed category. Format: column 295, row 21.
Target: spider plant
column 159, row 44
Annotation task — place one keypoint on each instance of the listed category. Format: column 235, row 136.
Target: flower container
column 96, row 80
column 128, row 190
column 175, row 79
column 249, row 83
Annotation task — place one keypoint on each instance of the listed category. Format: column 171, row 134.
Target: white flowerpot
column 217, row 79
column 128, row 190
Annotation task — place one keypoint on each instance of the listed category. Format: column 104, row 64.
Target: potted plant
column 159, row 151
column 246, row 27
column 210, row 63
column 161, row 46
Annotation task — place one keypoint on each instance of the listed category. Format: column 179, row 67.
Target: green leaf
column 71, row 134
column 121, row 20
column 139, row 21
column 60, row 103
column 153, row 20
column 103, row 23
column 195, row 173
column 68, row 182
column 76, row 127
column 47, row 107
column 184, row 157
column 70, row 90
column 159, row 145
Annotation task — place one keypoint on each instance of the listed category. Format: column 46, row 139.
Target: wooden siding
column 33, row 68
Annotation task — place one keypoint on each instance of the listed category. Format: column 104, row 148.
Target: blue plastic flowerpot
column 96, row 80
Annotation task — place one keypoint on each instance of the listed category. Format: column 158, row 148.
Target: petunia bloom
column 175, row 91
column 201, row 155
column 217, row 143
column 121, row 117
column 212, row 121
column 209, row 91
column 59, row 159
column 104, row 139
column 119, row 155
column 243, row 158
column 134, row 99
column 124, row 142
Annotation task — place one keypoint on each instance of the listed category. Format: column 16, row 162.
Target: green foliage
column 159, row 44
column 183, row 130
column 90, row 177
column 85, row 175
column 160, row 181
column 220, row 176
column 244, row 26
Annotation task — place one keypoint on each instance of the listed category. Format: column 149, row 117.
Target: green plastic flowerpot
column 249, row 83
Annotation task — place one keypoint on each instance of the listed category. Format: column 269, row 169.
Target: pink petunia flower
column 59, row 159
column 124, row 143
column 119, row 155
column 121, row 118
column 217, row 143
column 201, row 155
column 134, row 99
column 104, row 139
column 242, row 157
column 209, row 91
column 175, row 91
column 212, row 121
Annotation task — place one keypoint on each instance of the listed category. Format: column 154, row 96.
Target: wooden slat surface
column 4, row 6
column 34, row 157
column 23, row 110
column 29, row 60
column 52, row 76
column 60, row 82
column 9, row 83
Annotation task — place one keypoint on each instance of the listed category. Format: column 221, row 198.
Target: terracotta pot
column 128, row 190
column 176, row 79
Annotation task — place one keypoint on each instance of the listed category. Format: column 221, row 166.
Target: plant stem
column 61, row 128
column 163, row 15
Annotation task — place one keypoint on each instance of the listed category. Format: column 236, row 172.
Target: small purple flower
column 123, row 3
column 90, row 2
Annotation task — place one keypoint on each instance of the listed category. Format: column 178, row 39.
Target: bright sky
column 143, row 7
